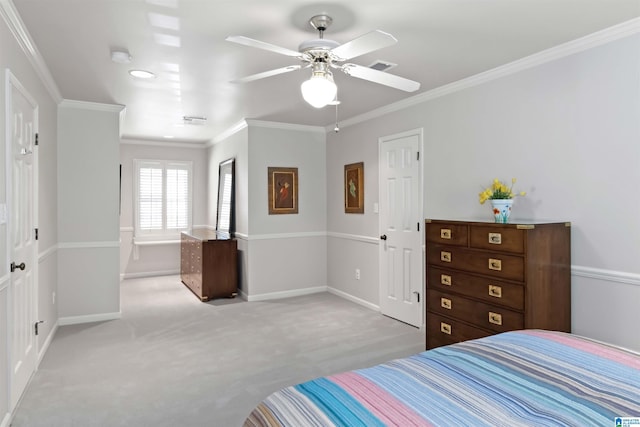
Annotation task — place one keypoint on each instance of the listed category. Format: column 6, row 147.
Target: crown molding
column 19, row 30
column 96, row 106
column 242, row 124
column 245, row 123
column 581, row 44
column 285, row 126
column 163, row 144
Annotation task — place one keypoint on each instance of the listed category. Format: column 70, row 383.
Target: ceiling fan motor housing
column 321, row 45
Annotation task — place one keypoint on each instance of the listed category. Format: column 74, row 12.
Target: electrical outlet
column 357, row 274
column 53, row 298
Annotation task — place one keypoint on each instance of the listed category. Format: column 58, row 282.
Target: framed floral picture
column 354, row 188
column 283, row 190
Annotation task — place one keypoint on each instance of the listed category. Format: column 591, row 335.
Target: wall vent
column 382, row 65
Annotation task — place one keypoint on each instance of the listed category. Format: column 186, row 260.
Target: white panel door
column 400, row 227
column 21, row 234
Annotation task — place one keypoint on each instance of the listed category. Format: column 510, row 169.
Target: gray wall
column 235, row 146
column 287, row 253
column 158, row 259
column 568, row 130
column 88, row 229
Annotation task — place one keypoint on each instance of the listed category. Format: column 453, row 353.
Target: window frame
column 163, row 234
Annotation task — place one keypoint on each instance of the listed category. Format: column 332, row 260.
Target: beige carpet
column 174, row 361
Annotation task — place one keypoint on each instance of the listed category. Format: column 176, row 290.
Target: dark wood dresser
column 209, row 264
column 484, row 278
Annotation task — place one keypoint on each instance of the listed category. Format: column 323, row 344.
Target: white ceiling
column 183, row 42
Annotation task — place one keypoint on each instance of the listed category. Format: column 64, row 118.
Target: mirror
column 225, row 221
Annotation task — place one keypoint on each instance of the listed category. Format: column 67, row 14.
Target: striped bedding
column 520, row 378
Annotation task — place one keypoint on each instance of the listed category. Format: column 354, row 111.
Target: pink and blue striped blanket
column 520, row 378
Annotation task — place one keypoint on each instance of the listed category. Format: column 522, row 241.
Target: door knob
column 383, row 237
column 21, row 266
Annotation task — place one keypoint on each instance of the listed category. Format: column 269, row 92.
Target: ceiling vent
column 194, row 120
column 382, row 65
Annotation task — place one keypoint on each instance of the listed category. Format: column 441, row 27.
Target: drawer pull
column 445, row 256
column 445, row 279
column 495, row 264
column 495, row 291
column 445, row 233
column 445, row 328
column 495, row 318
column 495, row 238
column 445, row 303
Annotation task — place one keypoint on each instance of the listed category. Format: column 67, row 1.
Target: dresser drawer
column 442, row 330
column 496, row 238
column 495, row 318
column 503, row 266
column 448, row 234
column 484, row 288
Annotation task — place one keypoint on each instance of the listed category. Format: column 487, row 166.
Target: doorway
column 400, row 225
column 20, row 215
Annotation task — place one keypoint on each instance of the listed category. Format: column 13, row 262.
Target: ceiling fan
column 322, row 55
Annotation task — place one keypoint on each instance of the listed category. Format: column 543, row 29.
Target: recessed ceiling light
column 120, row 56
column 168, row 136
column 142, row 74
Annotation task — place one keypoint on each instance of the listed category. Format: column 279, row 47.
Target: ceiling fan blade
column 364, row 44
column 246, row 41
column 383, row 78
column 267, row 74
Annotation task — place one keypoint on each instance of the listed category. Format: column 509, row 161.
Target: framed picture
column 283, row 190
column 354, row 188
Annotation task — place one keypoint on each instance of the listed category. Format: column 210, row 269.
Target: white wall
column 568, row 130
column 158, row 259
column 88, row 229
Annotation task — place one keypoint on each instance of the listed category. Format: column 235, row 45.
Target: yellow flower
column 499, row 190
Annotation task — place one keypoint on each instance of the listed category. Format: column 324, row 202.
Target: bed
column 518, row 378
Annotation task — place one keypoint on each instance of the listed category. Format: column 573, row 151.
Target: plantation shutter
column 150, row 198
column 177, row 198
column 162, row 199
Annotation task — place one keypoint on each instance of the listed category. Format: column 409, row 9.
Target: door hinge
column 36, row 139
column 417, row 155
column 36, row 234
column 36, row 325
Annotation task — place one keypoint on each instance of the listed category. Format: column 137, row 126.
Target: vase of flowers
column 501, row 198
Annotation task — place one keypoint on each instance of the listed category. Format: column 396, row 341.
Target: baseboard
column 149, row 274
column 6, row 420
column 351, row 298
column 90, row 318
column 47, row 343
column 284, row 294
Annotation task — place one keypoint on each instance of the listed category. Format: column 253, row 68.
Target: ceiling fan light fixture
column 320, row 89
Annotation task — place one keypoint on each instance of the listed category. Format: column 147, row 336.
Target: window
column 162, row 199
